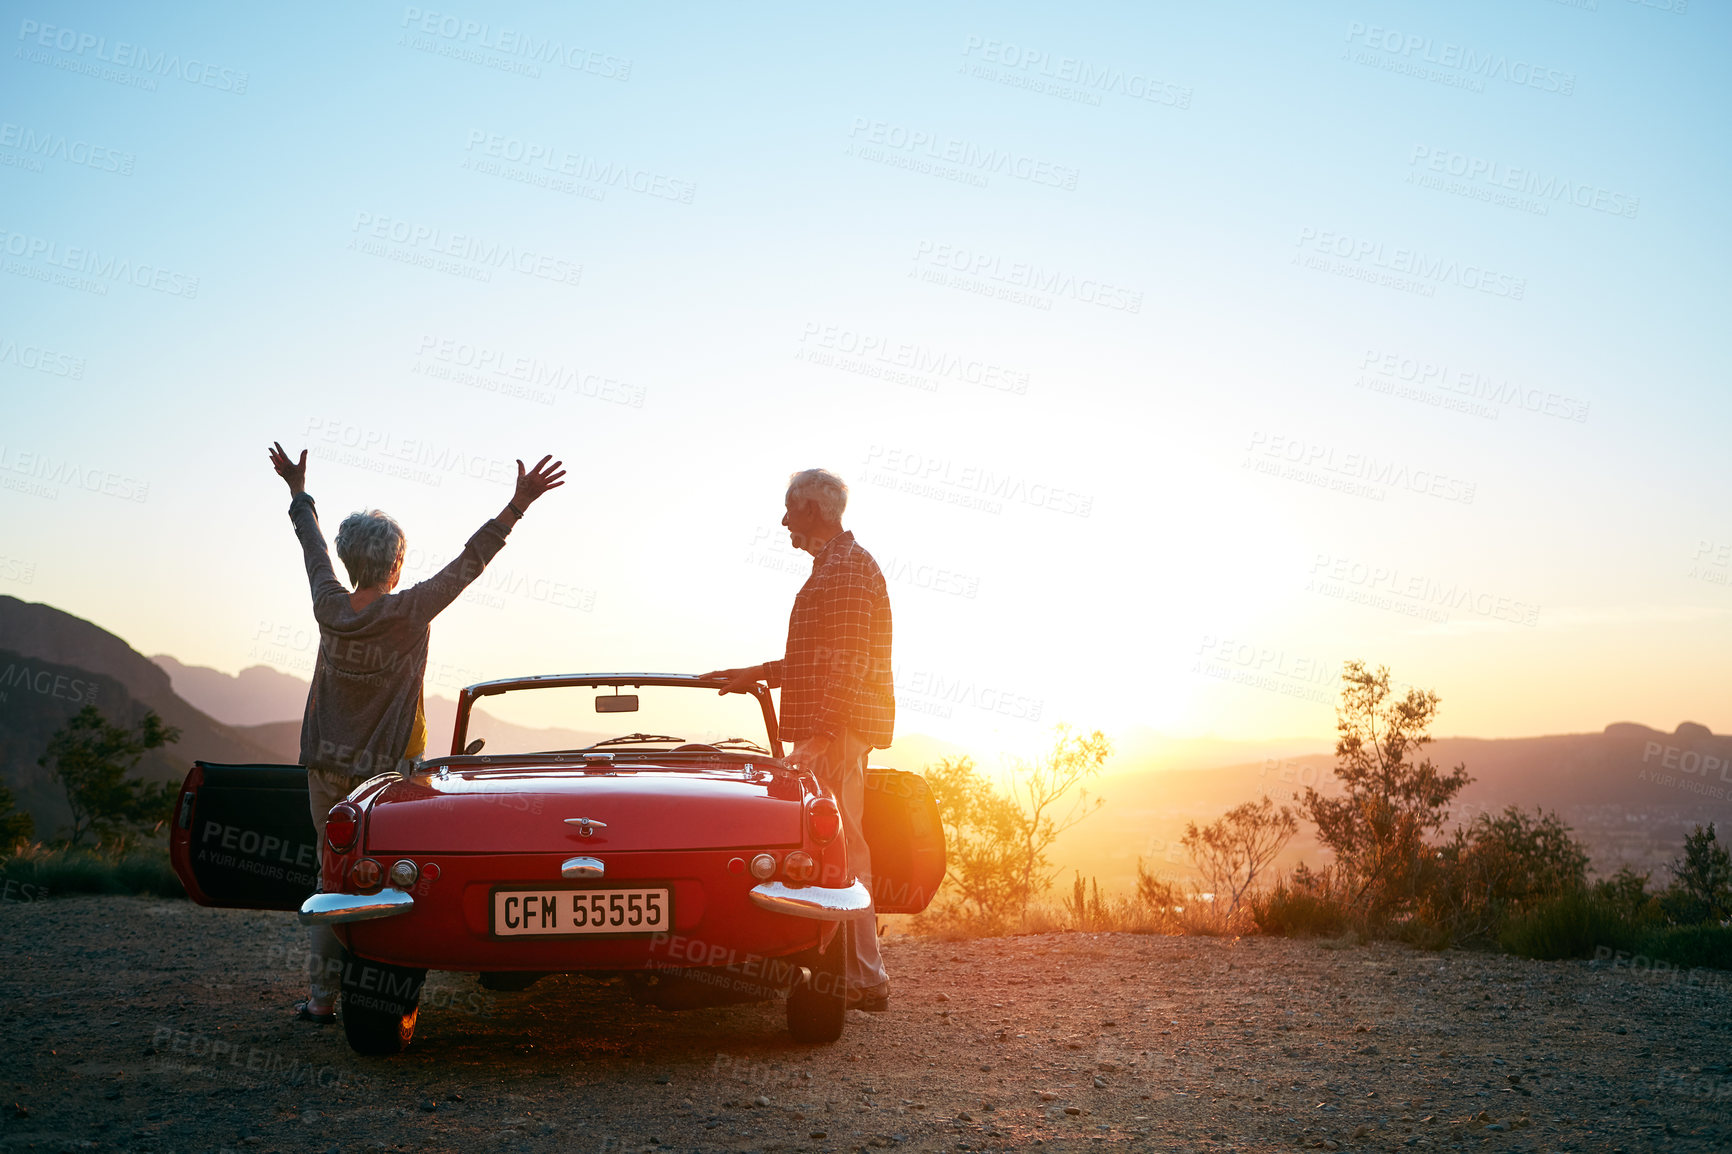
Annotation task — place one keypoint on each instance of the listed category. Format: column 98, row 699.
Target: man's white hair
column 822, row 486
column 369, row 545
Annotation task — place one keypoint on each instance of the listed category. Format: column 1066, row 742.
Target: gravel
column 142, row 1024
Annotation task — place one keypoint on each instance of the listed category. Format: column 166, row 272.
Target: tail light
column 824, row 819
column 366, row 874
column 763, row 867
column 341, row 825
column 799, row 866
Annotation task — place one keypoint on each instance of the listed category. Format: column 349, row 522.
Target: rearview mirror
column 617, row 703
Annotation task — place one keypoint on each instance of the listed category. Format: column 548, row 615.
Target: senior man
column 364, row 712
column 837, row 699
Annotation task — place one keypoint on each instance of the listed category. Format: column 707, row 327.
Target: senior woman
column 364, row 714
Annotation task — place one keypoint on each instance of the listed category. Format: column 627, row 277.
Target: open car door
column 243, row 837
column 906, row 839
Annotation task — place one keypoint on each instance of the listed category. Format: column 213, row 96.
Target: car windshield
column 551, row 719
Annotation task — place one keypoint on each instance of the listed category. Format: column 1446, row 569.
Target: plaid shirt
column 835, row 674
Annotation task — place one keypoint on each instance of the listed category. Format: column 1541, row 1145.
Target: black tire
column 378, row 1033
column 818, row 1005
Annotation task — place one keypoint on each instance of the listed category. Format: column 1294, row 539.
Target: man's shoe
column 304, row 1012
column 872, row 999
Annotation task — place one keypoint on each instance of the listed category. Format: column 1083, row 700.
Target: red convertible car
column 703, row 867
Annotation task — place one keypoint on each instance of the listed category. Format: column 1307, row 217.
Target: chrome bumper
column 328, row 908
column 817, row 902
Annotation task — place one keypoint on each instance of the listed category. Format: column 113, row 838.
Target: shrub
column 1627, row 892
column 1299, row 908
column 1392, row 797
column 1688, row 947
column 1232, row 851
column 1571, row 925
column 1701, row 889
column 1499, row 866
column 996, row 840
column 142, row 870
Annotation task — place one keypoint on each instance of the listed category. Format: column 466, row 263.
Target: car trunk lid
column 629, row 808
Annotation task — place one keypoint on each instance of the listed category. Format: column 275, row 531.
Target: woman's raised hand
column 537, row 481
column 295, row 473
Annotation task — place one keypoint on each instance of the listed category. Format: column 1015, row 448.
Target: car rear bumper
column 331, row 908
column 820, row 903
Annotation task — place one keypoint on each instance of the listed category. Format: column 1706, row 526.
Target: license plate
column 567, row 913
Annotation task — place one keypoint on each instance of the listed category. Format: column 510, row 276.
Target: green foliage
column 15, row 825
column 1627, row 892
column 1701, row 889
column 997, row 841
column 1301, row 906
column 1570, row 925
column 1587, row 924
column 144, row 870
column 1392, row 798
column 1500, row 865
column 1688, row 947
column 91, row 759
column 1233, row 850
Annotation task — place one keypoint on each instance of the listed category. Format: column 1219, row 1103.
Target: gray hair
column 822, row 486
column 370, row 545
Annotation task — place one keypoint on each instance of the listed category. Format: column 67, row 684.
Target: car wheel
column 378, row 1033
column 818, row 1005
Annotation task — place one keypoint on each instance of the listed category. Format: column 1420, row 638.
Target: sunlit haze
column 1174, row 354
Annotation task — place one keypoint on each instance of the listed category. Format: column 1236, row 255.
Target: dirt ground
column 139, row 1024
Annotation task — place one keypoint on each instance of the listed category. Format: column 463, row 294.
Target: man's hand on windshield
column 739, row 680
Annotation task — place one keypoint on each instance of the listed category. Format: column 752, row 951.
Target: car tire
column 818, row 1004
column 378, row 1033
